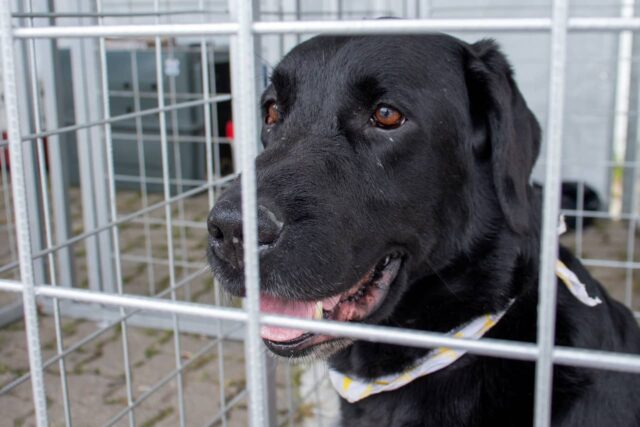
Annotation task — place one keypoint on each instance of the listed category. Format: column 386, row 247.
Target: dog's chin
column 364, row 302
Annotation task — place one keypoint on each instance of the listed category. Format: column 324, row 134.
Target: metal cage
column 64, row 267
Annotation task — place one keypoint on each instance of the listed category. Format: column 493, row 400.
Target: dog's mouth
column 357, row 304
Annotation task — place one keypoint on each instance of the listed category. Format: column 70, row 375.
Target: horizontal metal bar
column 409, row 26
column 399, row 336
column 200, row 225
column 139, row 259
column 321, row 13
column 610, row 263
column 103, row 314
column 598, row 214
column 153, row 95
column 153, row 180
column 107, row 14
column 128, row 116
column 191, row 139
column 401, row 26
column 604, row 24
column 391, row 26
column 9, row 267
column 122, row 220
column 214, row 28
column 596, row 163
column 596, row 359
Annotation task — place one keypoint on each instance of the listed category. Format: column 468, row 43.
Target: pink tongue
column 273, row 305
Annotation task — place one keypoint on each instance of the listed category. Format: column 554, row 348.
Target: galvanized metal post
column 30, row 162
column 549, row 245
column 85, row 147
column 164, row 146
column 21, row 214
column 244, row 67
column 93, row 183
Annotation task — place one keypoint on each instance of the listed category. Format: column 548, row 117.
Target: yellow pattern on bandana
column 354, row 390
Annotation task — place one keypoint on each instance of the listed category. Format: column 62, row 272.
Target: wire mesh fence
column 119, row 138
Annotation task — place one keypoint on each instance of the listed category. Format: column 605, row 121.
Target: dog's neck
column 474, row 284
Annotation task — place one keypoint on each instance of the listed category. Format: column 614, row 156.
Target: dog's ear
column 504, row 129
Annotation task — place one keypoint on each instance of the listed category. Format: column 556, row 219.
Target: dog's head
column 386, row 158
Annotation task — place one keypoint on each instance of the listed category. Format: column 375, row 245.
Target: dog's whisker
column 444, row 282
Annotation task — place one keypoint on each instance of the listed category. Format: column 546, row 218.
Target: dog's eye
column 387, row 117
column 273, row 114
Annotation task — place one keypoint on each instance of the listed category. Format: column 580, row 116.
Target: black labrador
column 394, row 189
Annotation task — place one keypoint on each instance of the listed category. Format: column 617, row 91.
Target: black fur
column 449, row 190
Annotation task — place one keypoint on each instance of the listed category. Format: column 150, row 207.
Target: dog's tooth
column 317, row 314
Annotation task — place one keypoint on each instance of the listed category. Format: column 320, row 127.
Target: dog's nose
column 225, row 228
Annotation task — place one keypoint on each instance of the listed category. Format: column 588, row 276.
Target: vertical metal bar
column 630, row 194
column 220, row 349
column 271, row 366
column 142, row 168
column 244, row 68
column 549, row 245
column 428, row 9
column 412, row 9
column 168, row 214
column 6, row 193
column 580, row 219
column 44, row 190
column 631, row 239
column 631, row 186
column 280, row 36
column 289, row 384
column 98, row 163
column 21, row 214
column 85, row 71
column 177, row 160
column 114, row 212
column 623, row 87
column 86, row 176
column 48, row 60
column 298, row 18
column 29, row 159
column 215, row 128
column 206, row 93
column 95, row 192
column 235, row 90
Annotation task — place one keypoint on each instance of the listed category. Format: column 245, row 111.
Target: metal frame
column 244, row 31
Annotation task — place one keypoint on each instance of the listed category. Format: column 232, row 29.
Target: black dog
column 394, row 190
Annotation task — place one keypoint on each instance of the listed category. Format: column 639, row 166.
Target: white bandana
column 353, row 389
